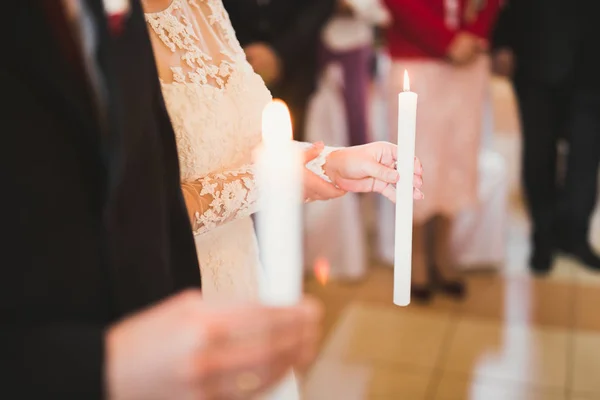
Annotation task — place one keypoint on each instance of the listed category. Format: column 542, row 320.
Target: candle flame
column 276, row 122
column 406, row 82
column 321, row 270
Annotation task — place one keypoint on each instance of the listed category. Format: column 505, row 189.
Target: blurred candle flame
column 406, row 82
column 321, row 270
column 276, row 122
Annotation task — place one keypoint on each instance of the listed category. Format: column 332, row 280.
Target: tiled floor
column 514, row 337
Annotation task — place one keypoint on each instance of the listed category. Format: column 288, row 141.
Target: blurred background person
column 280, row 38
column 548, row 47
column 348, row 40
column 338, row 115
column 442, row 44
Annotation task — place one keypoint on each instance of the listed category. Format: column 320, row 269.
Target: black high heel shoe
column 456, row 289
column 421, row 293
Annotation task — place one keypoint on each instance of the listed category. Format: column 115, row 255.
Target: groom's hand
column 370, row 168
column 184, row 348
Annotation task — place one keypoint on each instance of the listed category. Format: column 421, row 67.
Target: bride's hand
column 315, row 188
column 370, row 168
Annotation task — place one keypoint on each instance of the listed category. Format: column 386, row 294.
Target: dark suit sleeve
column 42, row 356
column 301, row 36
column 505, row 32
column 60, row 361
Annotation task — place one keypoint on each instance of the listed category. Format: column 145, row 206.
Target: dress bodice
column 214, row 98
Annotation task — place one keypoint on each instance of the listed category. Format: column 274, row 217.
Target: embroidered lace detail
column 220, row 198
column 316, row 165
column 190, row 30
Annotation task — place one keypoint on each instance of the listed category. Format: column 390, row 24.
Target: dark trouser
column 549, row 113
column 357, row 74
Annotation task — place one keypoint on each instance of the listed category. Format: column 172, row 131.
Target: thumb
column 381, row 172
column 313, row 151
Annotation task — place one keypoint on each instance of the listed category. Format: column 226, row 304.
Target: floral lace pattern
column 221, row 197
column 179, row 32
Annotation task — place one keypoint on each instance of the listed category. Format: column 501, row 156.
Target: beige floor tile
column 389, row 384
column 334, row 297
column 524, row 301
column 485, row 296
column 367, row 333
column 333, row 379
column 584, row 276
column 333, row 310
column 343, row 290
column 587, row 315
column 379, row 289
column 579, row 396
column 534, row 356
column 586, row 364
column 456, row 387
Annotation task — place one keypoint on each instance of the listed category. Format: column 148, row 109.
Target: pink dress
column 449, row 123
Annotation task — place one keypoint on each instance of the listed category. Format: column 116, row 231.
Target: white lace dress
column 215, row 101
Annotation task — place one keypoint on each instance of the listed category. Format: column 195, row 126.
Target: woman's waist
column 229, row 234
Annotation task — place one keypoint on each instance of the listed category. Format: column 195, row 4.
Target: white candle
column 407, row 118
column 279, row 177
column 279, row 221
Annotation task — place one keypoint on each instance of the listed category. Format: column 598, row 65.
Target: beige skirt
column 449, row 127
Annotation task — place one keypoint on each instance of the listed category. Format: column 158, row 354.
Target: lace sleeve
column 316, row 165
column 228, row 195
column 220, row 198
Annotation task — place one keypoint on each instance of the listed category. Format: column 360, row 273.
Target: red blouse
column 420, row 30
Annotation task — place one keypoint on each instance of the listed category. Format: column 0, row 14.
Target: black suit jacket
column 292, row 28
column 94, row 223
column 554, row 40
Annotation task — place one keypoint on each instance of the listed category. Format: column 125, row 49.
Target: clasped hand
column 359, row 169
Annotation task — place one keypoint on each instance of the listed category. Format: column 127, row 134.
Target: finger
column 417, row 181
column 313, row 151
column 417, row 194
column 389, row 192
column 418, row 166
column 374, row 169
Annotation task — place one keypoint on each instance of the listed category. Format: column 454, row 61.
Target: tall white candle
column 279, row 221
column 407, row 118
